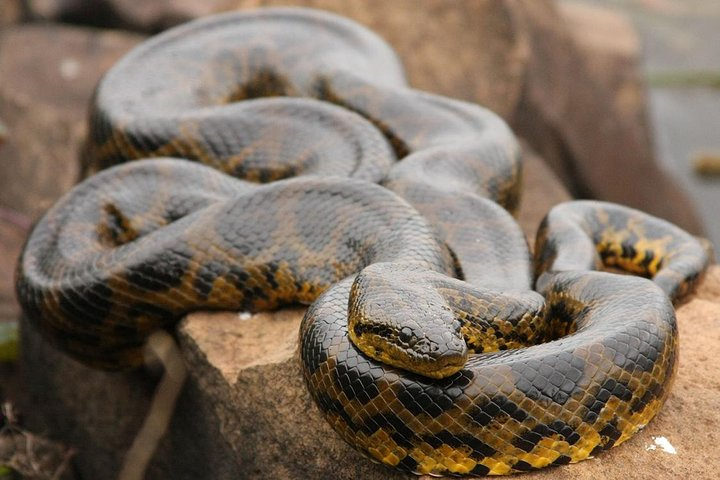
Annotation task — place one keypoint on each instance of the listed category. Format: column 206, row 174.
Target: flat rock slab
column 47, row 75
column 246, row 412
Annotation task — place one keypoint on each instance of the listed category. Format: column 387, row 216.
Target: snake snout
column 440, row 355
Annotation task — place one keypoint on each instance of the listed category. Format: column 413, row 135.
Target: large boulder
column 535, row 64
column 583, row 108
column 47, row 74
column 245, row 411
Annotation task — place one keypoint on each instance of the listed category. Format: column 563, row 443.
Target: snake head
column 402, row 321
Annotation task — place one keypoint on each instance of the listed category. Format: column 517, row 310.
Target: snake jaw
column 436, row 356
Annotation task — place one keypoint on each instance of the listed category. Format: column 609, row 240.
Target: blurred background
column 680, row 60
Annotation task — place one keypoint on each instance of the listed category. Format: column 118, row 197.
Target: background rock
column 525, row 59
column 11, row 11
column 245, row 411
column 577, row 120
column 47, row 74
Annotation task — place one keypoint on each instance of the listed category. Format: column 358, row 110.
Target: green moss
column 688, row 78
column 8, row 341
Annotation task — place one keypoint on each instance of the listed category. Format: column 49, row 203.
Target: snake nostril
column 405, row 335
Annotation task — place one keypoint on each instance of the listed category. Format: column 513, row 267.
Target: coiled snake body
column 424, row 345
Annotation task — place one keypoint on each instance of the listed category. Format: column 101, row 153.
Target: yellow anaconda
column 425, row 345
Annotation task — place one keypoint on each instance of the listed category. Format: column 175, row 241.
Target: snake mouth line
column 422, row 358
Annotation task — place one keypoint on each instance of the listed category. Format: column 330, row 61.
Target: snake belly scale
column 425, row 345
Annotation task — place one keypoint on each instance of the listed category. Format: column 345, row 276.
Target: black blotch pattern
column 610, row 434
column 357, row 383
column 433, row 399
column 523, row 466
column 153, row 311
column 390, row 422
column 207, row 273
column 93, row 301
column 331, row 405
column 164, row 271
column 562, row 460
column 652, row 392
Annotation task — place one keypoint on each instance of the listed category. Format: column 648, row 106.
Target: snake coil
column 424, row 345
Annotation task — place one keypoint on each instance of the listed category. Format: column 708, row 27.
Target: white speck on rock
column 663, row 444
column 244, row 315
column 69, row 68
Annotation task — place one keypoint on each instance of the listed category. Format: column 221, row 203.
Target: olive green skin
column 437, row 282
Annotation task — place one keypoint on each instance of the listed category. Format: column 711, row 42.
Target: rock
column 580, row 102
column 48, row 75
column 245, row 411
column 541, row 191
column 11, row 11
column 610, row 46
column 589, row 120
column 12, row 236
column 57, row 67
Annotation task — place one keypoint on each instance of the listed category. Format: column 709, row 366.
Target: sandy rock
column 11, row 11
column 588, row 120
column 579, row 101
column 611, row 49
column 47, row 75
column 245, row 411
column 56, row 66
column 12, row 237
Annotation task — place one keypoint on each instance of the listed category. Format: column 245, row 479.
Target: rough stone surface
column 11, row 11
column 47, row 75
column 573, row 112
column 525, row 59
column 246, row 413
column 12, row 236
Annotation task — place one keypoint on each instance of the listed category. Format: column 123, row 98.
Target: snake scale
column 425, row 345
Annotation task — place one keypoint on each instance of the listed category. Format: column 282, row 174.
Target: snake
column 257, row 159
